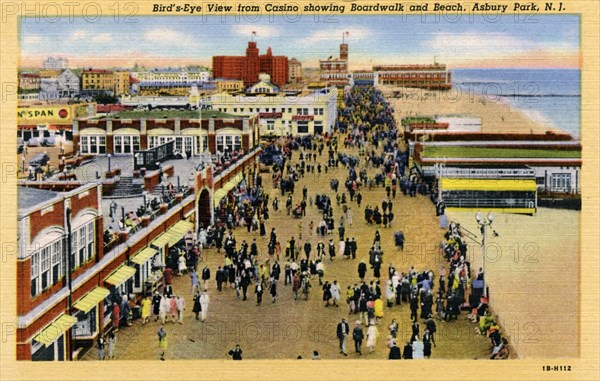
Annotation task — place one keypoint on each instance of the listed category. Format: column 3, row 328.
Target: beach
column 497, row 115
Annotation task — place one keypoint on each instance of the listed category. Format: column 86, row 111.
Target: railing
column 490, row 203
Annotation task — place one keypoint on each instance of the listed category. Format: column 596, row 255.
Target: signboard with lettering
column 57, row 114
column 302, row 117
column 270, row 115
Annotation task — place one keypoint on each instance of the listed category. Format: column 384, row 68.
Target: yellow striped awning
column 182, row 227
column 90, row 300
column 219, row 194
column 143, row 256
column 161, row 240
column 120, row 275
column 488, row 185
column 56, row 329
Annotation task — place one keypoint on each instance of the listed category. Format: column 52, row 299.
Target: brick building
column 124, row 136
column 248, row 67
column 334, row 71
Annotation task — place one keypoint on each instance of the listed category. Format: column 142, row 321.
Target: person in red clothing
column 116, row 316
column 168, row 276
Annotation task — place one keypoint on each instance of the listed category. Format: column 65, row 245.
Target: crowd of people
column 272, row 263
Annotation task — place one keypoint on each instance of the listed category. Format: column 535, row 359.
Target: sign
column 55, row 114
column 302, row 117
column 270, row 115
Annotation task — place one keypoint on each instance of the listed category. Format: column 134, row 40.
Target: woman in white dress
column 372, row 337
column 418, row 347
column 182, row 264
column 342, row 248
column 204, row 299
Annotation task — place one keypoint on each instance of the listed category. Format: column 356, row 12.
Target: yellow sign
column 55, row 114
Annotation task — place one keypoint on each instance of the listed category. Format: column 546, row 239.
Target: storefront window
column 86, row 324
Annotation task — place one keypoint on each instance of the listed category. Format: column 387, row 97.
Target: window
column 90, row 242
column 205, row 144
column 302, row 127
column 35, row 271
column 318, row 111
column 56, row 261
column 229, row 143
column 82, row 246
column 302, row 111
column 561, row 182
column 540, row 180
column 73, row 257
column 270, row 125
column 45, row 277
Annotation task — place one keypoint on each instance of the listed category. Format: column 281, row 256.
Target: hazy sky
column 543, row 41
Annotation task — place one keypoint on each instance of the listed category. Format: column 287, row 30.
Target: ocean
column 551, row 97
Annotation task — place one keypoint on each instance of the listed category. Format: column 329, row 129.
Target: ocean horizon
column 548, row 96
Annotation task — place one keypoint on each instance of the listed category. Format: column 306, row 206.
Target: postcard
column 188, row 184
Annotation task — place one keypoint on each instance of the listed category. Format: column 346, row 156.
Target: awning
column 91, row 299
column 55, row 329
column 488, row 184
column 173, row 235
column 182, row 227
column 120, row 275
column 228, row 186
column 218, row 196
column 143, row 256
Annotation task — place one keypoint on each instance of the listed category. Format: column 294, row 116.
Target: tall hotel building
column 248, row 67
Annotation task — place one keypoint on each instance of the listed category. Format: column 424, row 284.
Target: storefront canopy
column 91, row 299
column 120, row 275
column 143, row 256
column 173, row 234
column 55, row 330
column 226, row 188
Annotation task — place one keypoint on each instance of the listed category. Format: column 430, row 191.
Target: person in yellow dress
column 146, row 309
column 378, row 309
column 162, row 342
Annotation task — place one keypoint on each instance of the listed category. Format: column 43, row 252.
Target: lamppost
column 484, row 222
column 109, row 156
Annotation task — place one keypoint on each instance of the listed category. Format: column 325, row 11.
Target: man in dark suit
column 343, row 329
column 394, row 353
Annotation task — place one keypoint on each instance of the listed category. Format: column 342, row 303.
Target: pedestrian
column 372, row 337
column 335, row 293
column 426, row 343
column 180, row 308
column 357, row 336
column 204, row 300
column 417, row 349
column 100, row 344
column 258, row 290
column 197, row 306
column 112, row 343
column 273, row 290
column 205, row 277
column 394, row 352
column 194, row 281
column 116, row 316
column 146, row 309
column 156, row 302
column 343, row 329
column 407, row 354
column 162, row 342
column 236, row 353
column 393, row 327
column 362, row 270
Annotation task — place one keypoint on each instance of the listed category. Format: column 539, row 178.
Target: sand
column 495, row 112
column 532, row 272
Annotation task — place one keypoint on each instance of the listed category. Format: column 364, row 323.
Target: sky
column 544, row 41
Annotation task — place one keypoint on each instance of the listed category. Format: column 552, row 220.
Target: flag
column 347, row 33
column 254, row 33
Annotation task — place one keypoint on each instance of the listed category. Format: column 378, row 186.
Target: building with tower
column 334, row 71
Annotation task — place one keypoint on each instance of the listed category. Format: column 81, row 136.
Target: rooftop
column 492, row 153
column 30, row 197
column 169, row 114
